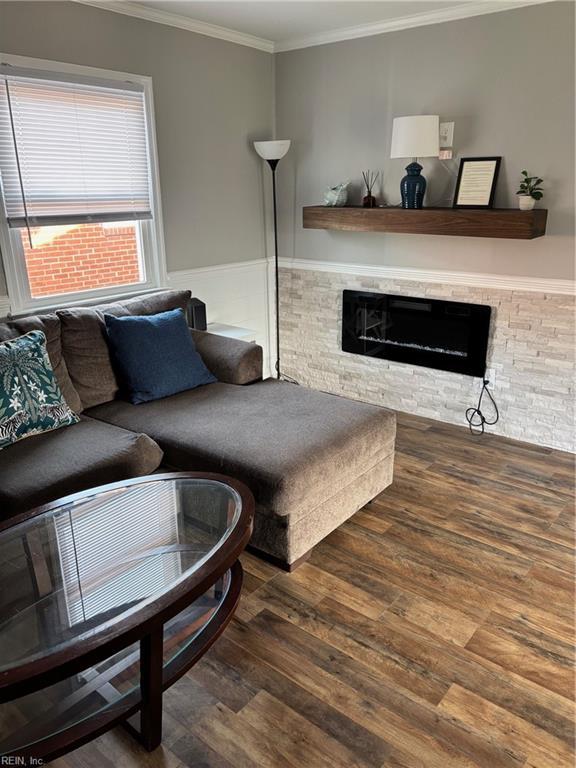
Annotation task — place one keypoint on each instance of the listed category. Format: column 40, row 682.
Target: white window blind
column 72, row 152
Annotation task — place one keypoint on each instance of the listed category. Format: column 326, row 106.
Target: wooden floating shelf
column 508, row 223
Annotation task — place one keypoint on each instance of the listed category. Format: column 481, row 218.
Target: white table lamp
column 415, row 136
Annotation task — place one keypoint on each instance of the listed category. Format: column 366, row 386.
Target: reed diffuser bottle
column 370, row 179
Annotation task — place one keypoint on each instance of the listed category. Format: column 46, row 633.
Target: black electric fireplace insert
column 448, row 335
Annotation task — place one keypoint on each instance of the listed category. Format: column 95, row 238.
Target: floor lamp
column 272, row 152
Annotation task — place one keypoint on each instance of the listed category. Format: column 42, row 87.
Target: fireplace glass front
column 448, row 335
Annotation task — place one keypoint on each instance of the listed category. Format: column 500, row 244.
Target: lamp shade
column 416, row 136
column 272, row 150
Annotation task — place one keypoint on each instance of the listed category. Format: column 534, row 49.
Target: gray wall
column 506, row 79
column 211, row 99
column 337, row 103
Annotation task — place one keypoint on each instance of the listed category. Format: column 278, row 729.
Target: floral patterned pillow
column 30, row 398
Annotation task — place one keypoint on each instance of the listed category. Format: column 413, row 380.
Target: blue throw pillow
column 30, row 398
column 155, row 355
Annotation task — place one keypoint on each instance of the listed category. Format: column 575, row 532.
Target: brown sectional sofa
column 311, row 459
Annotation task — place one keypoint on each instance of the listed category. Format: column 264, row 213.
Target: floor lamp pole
column 272, row 151
column 273, row 164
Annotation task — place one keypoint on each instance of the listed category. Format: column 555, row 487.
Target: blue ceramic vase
column 413, row 187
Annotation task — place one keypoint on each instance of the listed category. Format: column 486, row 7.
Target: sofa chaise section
column 311, row 459
column 45, row 467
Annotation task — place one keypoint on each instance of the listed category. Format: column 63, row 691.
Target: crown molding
column 471, row 9
column 479, row 8
column 469, row 279
column 181, row 22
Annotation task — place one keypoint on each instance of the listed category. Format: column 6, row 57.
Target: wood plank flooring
column 432, row 630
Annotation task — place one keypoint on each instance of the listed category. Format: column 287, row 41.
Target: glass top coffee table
column 106, row 598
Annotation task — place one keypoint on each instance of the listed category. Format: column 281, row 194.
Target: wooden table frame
column 144, row 626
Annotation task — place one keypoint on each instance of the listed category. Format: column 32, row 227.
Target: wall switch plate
column 446, row 135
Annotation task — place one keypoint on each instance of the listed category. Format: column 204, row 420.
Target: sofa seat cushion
column 46, row 467
column 294, row 447
column 85, row 345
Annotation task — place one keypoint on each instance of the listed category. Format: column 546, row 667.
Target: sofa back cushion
column 85, row 344
column 49, row 324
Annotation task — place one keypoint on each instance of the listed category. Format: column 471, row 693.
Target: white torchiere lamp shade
column 272, row 150
column 415, row 136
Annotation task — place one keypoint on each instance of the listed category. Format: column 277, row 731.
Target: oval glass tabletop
column 94, row 561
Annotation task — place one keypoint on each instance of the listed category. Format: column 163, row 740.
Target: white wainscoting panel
column 234, row 294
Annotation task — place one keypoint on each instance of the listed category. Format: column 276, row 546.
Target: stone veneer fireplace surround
column 530, row 354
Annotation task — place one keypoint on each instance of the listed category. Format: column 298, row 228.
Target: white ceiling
column 282, row 21
column 280, row 25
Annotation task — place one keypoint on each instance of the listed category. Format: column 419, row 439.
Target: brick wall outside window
column 80, row 257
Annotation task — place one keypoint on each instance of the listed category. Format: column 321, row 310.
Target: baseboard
column 446, row 277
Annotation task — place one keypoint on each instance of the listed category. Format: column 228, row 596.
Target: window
column 79, row 206
column 68, row 258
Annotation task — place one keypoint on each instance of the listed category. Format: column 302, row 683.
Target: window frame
column 150, row 232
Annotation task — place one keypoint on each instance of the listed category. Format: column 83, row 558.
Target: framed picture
column 476, row 183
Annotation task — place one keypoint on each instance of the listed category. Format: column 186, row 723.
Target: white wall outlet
column 491, row 376
column 445, row 154
column 446, row 135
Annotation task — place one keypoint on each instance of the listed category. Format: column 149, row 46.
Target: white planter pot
column 526, row 203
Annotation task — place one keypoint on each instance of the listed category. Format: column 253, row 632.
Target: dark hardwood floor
column 432, row 630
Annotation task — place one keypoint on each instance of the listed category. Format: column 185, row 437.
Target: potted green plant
column 530, row 191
